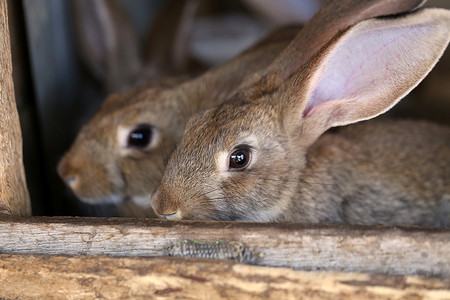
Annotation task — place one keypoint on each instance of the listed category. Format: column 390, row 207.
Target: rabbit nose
column 68, row 173
column 172, row 216
column 165, row 207
column 71, row 181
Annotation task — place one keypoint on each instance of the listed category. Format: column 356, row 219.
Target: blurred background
column 61, row 75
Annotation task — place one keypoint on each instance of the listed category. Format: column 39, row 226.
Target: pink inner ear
column 364, row 64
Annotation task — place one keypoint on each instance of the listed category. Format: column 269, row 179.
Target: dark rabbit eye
column 140, row 137
column 240, row 158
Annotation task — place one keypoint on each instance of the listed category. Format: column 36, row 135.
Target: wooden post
column 14, row 198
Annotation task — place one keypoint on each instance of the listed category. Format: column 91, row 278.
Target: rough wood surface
column 60, row 277
column 377, row 249
column 14, row 199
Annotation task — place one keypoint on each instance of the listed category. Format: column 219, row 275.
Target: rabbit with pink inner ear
column 119, row 157
column 267, row 157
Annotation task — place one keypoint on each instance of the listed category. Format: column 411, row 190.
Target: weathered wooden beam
column 376, row 249
column 14, row 198
column 62, row 277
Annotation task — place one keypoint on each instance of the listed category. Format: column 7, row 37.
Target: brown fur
column 109, row 45
column 393, row 172
column 95, row 159
column 95, row 153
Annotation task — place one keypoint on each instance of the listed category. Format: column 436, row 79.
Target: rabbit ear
column 107, row 41
column 364, row 71
column 332, row 18
column 168, row 40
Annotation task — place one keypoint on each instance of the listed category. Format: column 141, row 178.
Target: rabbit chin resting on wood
column 264, row 158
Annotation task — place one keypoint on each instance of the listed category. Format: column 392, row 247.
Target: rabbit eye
column 240, row 159
column 140, row 137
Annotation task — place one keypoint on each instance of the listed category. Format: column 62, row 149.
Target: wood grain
column 14, row 198
column 61, row 277
column 376, row 249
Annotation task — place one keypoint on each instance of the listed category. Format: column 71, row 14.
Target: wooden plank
column 377, row 249
column 61, row 277
column 14, row 198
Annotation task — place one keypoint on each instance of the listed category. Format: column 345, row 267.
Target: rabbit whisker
column 201, row 195
column 295, row 181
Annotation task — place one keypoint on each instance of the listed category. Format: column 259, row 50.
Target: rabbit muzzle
column 165, row 207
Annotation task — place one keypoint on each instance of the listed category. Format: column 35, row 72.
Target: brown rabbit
column 120, row 155
column 115, row 56
column 263, row 158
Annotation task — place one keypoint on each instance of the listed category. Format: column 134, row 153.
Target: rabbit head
column 121, row 153
column 124, row 144
column 247, row 159
column 109, row 46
